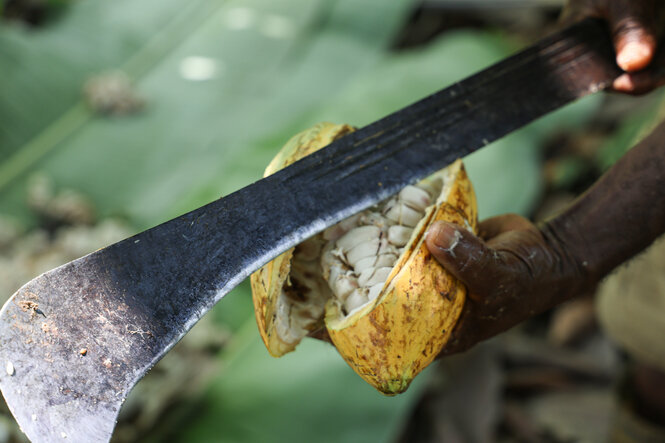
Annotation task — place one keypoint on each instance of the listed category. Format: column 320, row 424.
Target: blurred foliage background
column 116, row 116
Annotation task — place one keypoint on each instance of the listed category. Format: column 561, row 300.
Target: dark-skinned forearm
column 622, row 214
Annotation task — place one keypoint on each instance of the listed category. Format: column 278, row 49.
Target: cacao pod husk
column 370, row 282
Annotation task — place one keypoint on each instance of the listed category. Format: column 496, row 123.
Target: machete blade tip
column 36, row 386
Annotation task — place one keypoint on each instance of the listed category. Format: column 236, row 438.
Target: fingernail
column 634, row 56
column 445, row 236
column 623, row 83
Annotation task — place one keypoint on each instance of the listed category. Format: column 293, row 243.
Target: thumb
column 633, row 30
column 465, row 256
column 635, row 47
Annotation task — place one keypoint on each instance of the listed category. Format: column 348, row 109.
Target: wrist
column 575, row 263
column 619, row 216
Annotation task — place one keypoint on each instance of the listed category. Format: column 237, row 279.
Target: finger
column 638, row 83
column 634, row 33
column 495, row 226
column 465, row 256
column 635, row 50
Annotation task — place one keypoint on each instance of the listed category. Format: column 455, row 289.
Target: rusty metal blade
column 128, row 304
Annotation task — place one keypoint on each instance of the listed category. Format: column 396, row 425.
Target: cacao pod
column 370, row 282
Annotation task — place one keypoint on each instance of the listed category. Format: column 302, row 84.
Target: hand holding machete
column 515, row 269
column 636, row 27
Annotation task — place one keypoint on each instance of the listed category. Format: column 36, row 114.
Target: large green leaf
column 192, row 141
column 44, row 70
column 308, row 395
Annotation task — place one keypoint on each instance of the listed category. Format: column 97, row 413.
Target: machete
column 129, row 303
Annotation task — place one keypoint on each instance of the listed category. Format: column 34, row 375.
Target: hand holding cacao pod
column 513, row 271
column 370, row 281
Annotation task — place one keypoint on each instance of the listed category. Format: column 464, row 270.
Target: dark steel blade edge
column 128, row 304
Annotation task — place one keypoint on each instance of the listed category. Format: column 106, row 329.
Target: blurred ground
column 71, row 184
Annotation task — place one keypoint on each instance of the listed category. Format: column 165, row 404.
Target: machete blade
column 129, row 303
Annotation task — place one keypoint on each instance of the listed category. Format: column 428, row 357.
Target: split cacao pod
column 369, row 282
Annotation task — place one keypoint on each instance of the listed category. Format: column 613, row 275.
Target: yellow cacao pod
column 387, row 305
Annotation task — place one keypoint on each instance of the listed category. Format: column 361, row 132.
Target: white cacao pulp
column 361, row 251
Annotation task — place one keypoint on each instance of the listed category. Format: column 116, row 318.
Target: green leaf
column 630, row 131
column 274, row 61
column 307, row 395
column 236, row 308
column 44, row 71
